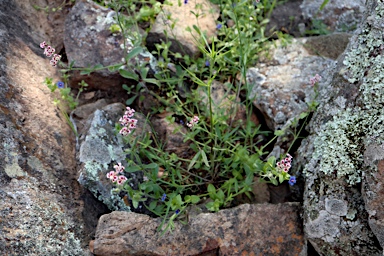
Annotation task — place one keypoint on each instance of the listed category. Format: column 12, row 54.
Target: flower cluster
column 127, row 122
column 114, row 175
column 284, row 165
column 48, row 51
column 193, row 121
column 315, row 79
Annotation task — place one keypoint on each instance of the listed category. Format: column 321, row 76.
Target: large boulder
column 41, row 210
column 260, row 229
column 342, row 157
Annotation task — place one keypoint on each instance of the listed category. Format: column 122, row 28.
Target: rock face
column 89, row 41
column 177, row 17
column 244, row 230
column 280, row 84
column 341, row 16
column 40, row 204
column 342, row 158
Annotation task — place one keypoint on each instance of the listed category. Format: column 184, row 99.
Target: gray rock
column 339, row 16
column 40, row 200
column 280, row 84
column 101, row 147
column 341, row 159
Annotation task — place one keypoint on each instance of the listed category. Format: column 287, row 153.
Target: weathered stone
column 172, row 135
column 345, row 148
column 181, row 16
column 280, row 84
column 101, row 148
column 89, row 42
column 287, row 17
column 325, row 45
column 40, row 205
column 373, row 189
column 340, row 16
column 261, row 229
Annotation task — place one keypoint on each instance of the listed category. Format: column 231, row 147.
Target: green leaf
column 205, row 160
column 126, row 74
column 194, row 159
column 152, row 81
column 131, row 100
column 152, row 205
column 303, row 115
column 195, row 199
column 151, row 166
column 132, row 168
column 279, row 132
column 134, row 52
column 211, row 189
column 325, row 2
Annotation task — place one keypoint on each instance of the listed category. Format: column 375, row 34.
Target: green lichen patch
column 341, row 142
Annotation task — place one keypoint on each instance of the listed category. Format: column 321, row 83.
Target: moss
column 342, row 141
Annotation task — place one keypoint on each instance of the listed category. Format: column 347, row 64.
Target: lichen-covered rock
column 89, row 41
column 40, row 204
column 260, row 229
column 346, row 127
column 176, row 17
column 101, row 147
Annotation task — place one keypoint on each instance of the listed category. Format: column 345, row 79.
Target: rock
column 184, row 42
column 280, row 84
column 260, row 229
column 172, row 135
column 40, row 201
column 325, row 45
column 89, row 42
column 339, row 16
column 100, row 149
column 287, row 17
column 341, row 159
column 224, row 104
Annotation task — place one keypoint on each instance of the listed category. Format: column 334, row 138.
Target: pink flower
column 122, row 179
column 128, row 122
column 125, row 131
column 43, row 45
column 119, row 168
column 285, row 164
column 111, row 175
column 315, row 79
column 193, row 121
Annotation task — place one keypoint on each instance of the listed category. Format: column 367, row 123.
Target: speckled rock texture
column 260, row 229
column 176, row 17
column 342, row 157
column 338, row 16
column 280, row 83
column 89, row 41
column 100, row 148
column 41, row 210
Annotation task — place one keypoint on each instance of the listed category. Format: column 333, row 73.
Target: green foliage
column 225, row 158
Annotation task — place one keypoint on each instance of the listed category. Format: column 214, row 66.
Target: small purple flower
column 292, row 180
column 60, row 85
column 207, row 63
column 164, row 196
column 219, row 26
column 185, row 1
column 177, row 211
